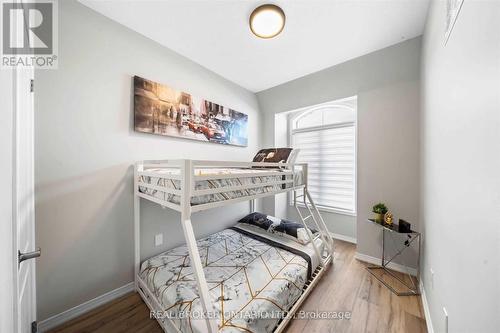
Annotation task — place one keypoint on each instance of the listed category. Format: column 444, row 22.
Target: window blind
column 330, row 154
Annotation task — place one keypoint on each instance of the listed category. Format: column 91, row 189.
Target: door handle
column 28, row 255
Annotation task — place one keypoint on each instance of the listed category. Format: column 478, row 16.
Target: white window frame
column 295, row 115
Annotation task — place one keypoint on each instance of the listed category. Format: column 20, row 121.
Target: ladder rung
column 307, row 217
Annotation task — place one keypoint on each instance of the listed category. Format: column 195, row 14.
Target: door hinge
column 34, row 327
column 32, row 85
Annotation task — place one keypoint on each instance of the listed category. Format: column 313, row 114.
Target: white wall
column 387, row 83
column 460, row 167
column 85, row 146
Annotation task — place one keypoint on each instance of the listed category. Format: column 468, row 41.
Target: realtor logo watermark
column 29, row 34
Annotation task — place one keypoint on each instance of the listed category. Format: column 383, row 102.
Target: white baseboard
column 425, row 305
column 392, row 265
column 344, row 238
column 78, row 310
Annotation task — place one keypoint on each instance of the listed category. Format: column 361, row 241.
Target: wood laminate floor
column 347, row 286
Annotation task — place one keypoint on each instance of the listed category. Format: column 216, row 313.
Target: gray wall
column 85, row 146
column 460, row 167
column 387, row 83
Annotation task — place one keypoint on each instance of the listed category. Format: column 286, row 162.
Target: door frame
column 8, row 260
column 23, row 185
column 16, row 87
column 10, row 85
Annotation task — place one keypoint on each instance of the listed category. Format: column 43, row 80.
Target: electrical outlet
column 445, row 320
column 432, row 279
column 158, row 239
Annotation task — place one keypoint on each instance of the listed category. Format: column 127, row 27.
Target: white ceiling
column 318, row 33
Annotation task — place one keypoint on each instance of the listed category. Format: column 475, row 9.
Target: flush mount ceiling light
column 267, row 21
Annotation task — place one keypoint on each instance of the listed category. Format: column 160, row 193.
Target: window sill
column 329, row 210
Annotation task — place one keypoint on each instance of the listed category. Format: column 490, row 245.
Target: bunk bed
column 181, row 280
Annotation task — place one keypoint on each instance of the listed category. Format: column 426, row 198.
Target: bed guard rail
column 199, row 170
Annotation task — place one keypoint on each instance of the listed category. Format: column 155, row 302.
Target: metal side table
column 411, row 237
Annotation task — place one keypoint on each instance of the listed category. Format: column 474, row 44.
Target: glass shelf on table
column 392, row 227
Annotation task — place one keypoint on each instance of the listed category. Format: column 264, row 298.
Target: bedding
column 273, row 155
column 285, row 228
column 163, row 180
column 253, row 276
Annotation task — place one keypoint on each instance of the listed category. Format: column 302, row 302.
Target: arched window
column 326, row 137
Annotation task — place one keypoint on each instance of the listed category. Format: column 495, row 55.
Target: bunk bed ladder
column 319, row 223
column 314, row 212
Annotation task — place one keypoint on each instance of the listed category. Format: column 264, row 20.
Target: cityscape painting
column 159, row 109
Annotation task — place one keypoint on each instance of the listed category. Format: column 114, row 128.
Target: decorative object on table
column 394, row 234
column 388, row 218
column 404, row 226
column 379, row 209
column 160, row 109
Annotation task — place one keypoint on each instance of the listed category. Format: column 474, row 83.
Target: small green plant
column 380, row 208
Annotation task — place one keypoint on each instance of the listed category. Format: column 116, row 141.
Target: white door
column 24, row 203
column 23, row 208
column 8, row 260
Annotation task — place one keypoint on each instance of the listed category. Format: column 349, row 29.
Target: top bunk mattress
column 254, row 277
column 213, row 178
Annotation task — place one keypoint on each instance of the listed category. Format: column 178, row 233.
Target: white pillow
column 293, row 156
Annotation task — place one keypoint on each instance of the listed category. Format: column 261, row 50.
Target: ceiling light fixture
column 267, row 21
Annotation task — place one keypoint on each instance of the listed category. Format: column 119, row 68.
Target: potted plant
column 379, row 209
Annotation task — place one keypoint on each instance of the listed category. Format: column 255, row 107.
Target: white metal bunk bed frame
column 187, row 190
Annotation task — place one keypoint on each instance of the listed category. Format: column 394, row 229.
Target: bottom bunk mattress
column 254, row 277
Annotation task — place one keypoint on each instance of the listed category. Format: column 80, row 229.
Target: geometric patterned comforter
column 251, row 282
